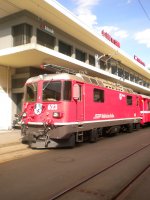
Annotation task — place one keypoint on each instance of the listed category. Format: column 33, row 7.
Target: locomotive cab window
column 31, row 92
column 51, row 91
column 129, row 100
column 98, row 95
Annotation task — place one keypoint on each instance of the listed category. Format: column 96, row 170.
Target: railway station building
column 41, row 32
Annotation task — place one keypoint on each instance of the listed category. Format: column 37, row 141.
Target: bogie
column 129, row 128
column 111, row 131
column 93, row 135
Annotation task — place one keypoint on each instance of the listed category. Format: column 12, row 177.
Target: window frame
column 65, row 48
column 26, row 97
column 80, row 55
column 129, row 100
column 51, row 96
column 92, row 60
column 22, row 34
column 98, row 95
column 45, row 39
column 66, row 89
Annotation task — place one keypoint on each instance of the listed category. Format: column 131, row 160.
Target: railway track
column 120, row 193
column 126, row 190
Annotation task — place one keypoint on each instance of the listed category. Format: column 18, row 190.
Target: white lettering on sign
column 139, row 60
column 46, row 28
column 108, row 37
column 103, row 116
column 121, row 96
column 52, row 107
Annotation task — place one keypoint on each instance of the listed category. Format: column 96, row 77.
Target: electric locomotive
column 60, row 110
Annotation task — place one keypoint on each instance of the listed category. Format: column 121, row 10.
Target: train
column 63, row 109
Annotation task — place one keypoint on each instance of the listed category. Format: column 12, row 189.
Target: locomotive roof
column 61, row 76
column 144, row 96
column 81, row 78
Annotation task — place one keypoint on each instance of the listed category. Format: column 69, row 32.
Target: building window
column 129, row 100
column 65, row 48
column 45, row 39
column 22, row 34
column 18, row 83
column 80, row 55
column 126, row 75
column 140, row 82
column 98, row 95
column 144, row 84
column 132, row 78
column 114, row 70
column 91, row 60
column 120, row 72
column 103, row 65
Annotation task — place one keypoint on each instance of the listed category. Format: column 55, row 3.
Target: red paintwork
column 114, row 107
column 139, row 60
column 108, row 37
column 145, row 109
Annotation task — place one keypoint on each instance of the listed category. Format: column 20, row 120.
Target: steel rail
column 86, row 179
column 126, row 188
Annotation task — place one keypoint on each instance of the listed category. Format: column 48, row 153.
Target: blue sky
column 127, row 21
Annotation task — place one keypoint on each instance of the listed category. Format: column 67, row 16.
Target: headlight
column 57, row 114
column 24, row 114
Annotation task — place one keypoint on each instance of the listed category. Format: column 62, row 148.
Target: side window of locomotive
column 67, row 91
column 80, row 93
column 98, row 95
column 129, row 100
column 31, row 92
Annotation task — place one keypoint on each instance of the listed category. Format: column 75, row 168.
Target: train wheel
column 72, row 141
column 93, row 137
column 129, row 128
column 137, row 126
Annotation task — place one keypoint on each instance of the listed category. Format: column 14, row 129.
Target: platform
column 10, row 137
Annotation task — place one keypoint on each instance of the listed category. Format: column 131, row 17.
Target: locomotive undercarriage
column 44, row 136
column 47, row 136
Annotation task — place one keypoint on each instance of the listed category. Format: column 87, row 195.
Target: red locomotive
column 62, row 109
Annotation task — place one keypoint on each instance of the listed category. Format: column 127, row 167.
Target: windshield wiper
column 47, row 84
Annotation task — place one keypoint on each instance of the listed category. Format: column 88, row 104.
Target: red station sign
column 139, row 60
column 108, row 37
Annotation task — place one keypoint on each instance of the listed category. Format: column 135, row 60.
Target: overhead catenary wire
column 144, row 10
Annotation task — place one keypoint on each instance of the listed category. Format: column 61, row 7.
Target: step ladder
column 79, row 136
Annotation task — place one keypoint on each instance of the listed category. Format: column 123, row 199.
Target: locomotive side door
column 79, row 99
